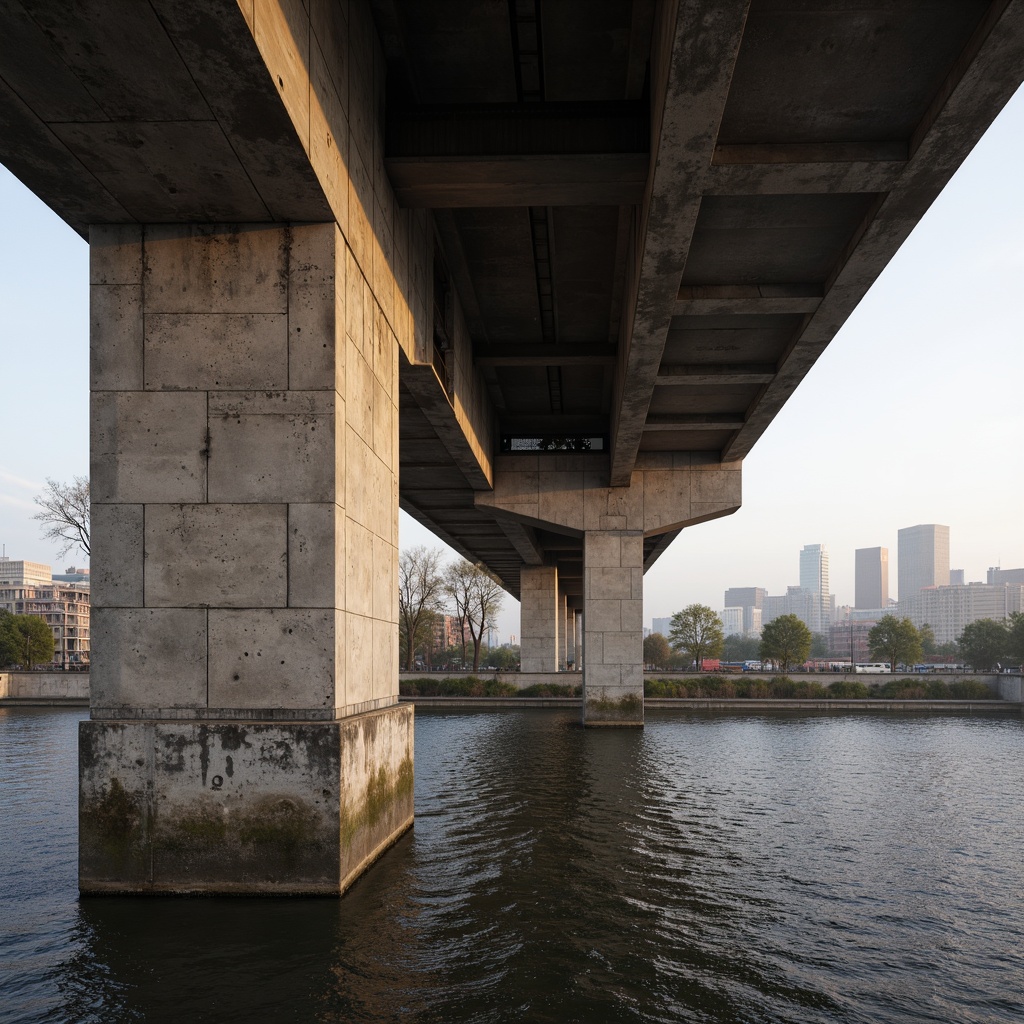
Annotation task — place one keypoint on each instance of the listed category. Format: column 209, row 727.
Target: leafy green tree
column 895, row 640
column 697, row 632
column 505, row 658
column 738, row 647
column 25, row 640
column 656, row 650
column 983, row 643
column 785, row 641
column 1015, row 638
column 9, row 639
column 927, row 635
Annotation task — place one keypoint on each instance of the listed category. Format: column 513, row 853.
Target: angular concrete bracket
column 571, row 493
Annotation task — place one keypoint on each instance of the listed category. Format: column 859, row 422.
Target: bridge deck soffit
column 638, row 246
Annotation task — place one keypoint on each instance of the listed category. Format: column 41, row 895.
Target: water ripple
column 786, row 868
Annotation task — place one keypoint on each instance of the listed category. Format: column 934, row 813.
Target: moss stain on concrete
column 628, row 710
column 383, row 791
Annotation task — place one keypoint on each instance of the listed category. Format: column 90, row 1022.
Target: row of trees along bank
column 696, row 633
column 429, row 590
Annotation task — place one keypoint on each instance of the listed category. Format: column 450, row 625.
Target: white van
column 873, row 668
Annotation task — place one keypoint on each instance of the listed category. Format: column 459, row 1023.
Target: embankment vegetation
column 784, row 688
column 716, row 687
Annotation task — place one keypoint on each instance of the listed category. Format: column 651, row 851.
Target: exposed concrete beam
column 428, row 392
column 692, row 64
column 597, row 354
column 553, row 424
column 491, row 155
column 525, row 129
column 660, row 546
column 604, row 179
column 524, row 539
column 716, row 300
column 724, row 373
column 984, row 78
column 669, row 422
column 828, row 168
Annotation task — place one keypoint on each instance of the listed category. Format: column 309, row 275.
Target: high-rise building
column 814, row 579
column 732, row 621
column 956, row 578
column 662, row 626
column 949, row 609
column 751, row 600
column 997, row 575
column 871, row 576
column 923, row 555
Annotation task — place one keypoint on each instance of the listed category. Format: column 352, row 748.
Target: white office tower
column 814, row 579
column 923, row 554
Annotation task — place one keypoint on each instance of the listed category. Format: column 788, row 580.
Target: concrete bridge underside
column 541, row 274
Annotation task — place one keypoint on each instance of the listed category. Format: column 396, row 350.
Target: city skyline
column 908, row 417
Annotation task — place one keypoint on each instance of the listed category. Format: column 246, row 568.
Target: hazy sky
column 914, row 414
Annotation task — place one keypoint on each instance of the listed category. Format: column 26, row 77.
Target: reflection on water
column 773, row 868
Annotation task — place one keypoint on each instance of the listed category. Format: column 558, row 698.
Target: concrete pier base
column 260, row 807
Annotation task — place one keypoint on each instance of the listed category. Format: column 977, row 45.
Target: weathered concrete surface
column 263, row 807
column 245, row 481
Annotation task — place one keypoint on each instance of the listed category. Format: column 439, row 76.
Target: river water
column 747, row 868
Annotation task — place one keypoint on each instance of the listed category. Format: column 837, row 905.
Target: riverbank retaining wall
column 44, row 688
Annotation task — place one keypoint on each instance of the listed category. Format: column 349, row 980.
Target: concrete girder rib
column 693, row 57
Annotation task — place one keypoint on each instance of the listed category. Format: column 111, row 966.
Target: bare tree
column 419, row 585
column 486, row 603
column 458, row 585
column 65, row 513
column 477, row 597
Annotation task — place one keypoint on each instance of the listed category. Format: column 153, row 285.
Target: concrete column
column 563, row 632
column 570, row 635
column 538, row 629
column 613, row 675
column 578, row 639
column 245, row 734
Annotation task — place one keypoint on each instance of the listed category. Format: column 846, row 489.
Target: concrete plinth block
column 241, row 807
column 613, row 706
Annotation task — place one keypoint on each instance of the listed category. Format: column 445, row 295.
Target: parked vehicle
column 873, row 668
